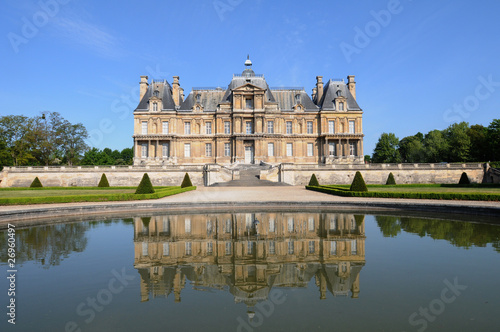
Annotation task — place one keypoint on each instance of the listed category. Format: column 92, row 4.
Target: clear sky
column 419, row 64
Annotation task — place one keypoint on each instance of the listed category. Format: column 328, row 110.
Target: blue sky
column 419, row 65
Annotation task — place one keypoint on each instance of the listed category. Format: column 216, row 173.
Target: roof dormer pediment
column 249, row 87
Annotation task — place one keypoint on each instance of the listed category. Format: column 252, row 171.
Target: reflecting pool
column 256, row 271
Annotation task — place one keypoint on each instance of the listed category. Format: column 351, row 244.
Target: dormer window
column 299, row 108
column 155, row 107
column 197, row 108
column 198, row 98
column 297, row 98
column 156, row 93
column 341, row 106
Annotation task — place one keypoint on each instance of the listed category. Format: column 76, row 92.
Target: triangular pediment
column 248, row 87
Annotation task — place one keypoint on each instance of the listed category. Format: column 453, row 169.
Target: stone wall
column 377, row 173
column 89, row 176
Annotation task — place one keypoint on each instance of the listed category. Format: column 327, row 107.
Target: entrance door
column 248, row 154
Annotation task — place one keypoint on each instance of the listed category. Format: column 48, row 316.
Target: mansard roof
column 164, row 91
column 208, row 98
column 287, row 98
column 334, row 89
column 240, row 80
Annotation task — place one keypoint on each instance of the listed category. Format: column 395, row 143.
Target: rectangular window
column 290, row 224
column 311, row 224
column 272, row 226
column 341, row 106
column 351, row 127
column 144, row 150
column 228, row 248
column 165, row 127
column 290, row 247
column 144, row 127
column 311, row 247
column 272, row 248
column 166, row 249
column 352, row 149
column 187, row 150
column 289, row 149
column 333, row 248
column 165, row 150
column 208, row 128
column 208, row 149
column 166, row 225
column 227, row 127
column 144, row 248
column 249, row 127
column 210, row 248
column 270, row 149
column 331, row 149
column 309, row 127
column 187, row 128
column 155, row 107
column 270, row 127
column 249, row 103
column 187, row 225
column 310, row 149
column 188, row 249
column 227, row 149
column 250, row 246
column 228, row 226
column 289, row 127
column 354, row 247
column 333, row 224
column 331, row 127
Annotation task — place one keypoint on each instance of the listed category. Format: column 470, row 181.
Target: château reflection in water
column 249, row 253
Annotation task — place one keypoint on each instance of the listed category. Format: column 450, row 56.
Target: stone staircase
column 249, row 177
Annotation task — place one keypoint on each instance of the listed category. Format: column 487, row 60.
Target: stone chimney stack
column 351, row 85
column 176, row 91
column 144, row 86
column 319, row 88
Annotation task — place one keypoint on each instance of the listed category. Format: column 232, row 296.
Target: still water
column 262, row 271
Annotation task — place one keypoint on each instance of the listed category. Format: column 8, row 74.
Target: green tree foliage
column 186, row 182
column 386, row 150
column 368, row 158
column 494, row 140
column 458, row 142
column 358, row 184
column 479, row 143
column 436, row 146
column 389, row 226
column 36, row 183
column 390, row 179
column 464, row 179
column 103, row 182
column 411, row 149
column 313, row 181
column 107, row 156
column 145, row 187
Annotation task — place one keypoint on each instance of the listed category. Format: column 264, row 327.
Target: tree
column 390, row 179
column 36, row 183
column 494, row 139
column 358, row 184
column 464, row 179
column 13, row 132
column 186, row 182
column 314, row 181
column 73, row 141
column 479, row 143
column 103, row 183
column 458, row 142
column 127, row 155
column 435, row 146
column 411, row 149
column 145, row 187
column 386, row 149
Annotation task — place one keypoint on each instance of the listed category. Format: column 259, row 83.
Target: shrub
column 104, row 181
column 186, row 182
column 145, row 187
column 358, row 184
column 464, row 179
column 390, row 179
column 36, row 183
column 313, row 181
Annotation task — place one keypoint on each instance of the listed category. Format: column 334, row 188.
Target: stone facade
column 248, row 123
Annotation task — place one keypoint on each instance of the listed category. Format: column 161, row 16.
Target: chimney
column 351, row 85
column 176, row 90
column 319, row 88
column 144, row 86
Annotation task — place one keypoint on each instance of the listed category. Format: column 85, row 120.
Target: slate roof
column 207, row 98
column 288, row 98
column 164, row 93
column 330, row 92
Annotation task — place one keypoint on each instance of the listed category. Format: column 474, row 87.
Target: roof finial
column 248, row 63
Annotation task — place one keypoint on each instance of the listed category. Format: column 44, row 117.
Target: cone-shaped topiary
column 36, row 183
column 104, row 181
column 145, row 187
column 390, row 179
column 186, row 182
column 358, row 184
column 464, row 179
column 314, row 181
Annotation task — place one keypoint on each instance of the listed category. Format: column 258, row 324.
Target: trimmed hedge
column 358, row 184
column 103, row 183
column 145, row 187
column 313, row 181
column 390, row 180
column 94, row 198
column 36, row 183
column 453, row 196
column 464, row 179
column 186, row 182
